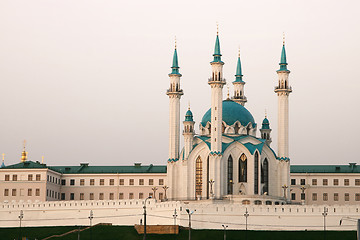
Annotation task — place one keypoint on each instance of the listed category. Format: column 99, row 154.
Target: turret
column 239, row 96
column 24, row 154
column 265, row 131
column 188, row 133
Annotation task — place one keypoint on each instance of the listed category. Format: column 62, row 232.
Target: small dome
column 265, row 124
column 232, row 112
column 188, row 116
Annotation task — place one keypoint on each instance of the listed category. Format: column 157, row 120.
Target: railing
column 223, row 80
column 280, row 88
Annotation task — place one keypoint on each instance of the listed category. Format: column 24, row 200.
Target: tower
column 188, row 133
column 283, row 91
column 174, row 93
column 216, row 83
column 265, row 131
column 239, row 96
column 24, row 154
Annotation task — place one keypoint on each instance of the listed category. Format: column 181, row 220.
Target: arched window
column 207, row 178
column 266, row 176
column 230, row 175
column 243, row 168
column 219, row 77
column 198, row 177
column 256, row 173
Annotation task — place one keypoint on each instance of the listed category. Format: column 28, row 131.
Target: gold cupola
column 24, row 153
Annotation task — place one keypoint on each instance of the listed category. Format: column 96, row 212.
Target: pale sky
column 85, row 81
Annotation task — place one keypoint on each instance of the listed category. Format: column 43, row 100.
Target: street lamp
column 21, row 216
column 211, row 188
column 246, row 222
column 91, row 218
column 145, row 217
column 165, row 188
column 189, row 213
column 224, row 226
column 325, row 213
column 154, row 190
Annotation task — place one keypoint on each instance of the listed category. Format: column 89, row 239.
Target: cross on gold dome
column 3, row 156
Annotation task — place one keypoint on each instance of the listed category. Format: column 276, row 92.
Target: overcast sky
column 85, row 81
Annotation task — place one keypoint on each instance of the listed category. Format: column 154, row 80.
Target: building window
column 266, row 176
column 230, row 175
column 81, row 196
column 102, row 182
column 91, row 196
column 131, row 195
column 111, row 196
column 243, row 168
column 161, row 196
column 314, row 196
column 161, row 181
column 47, row 178
column 121, row 195
column 7, row 177
column 325, row 182
column 101, row 196
column 357, row 196
column 63, row 182
column 14, row 177
column 357, row 182
column 6, row 192
column 302, row 181
column 131, row 181
column 62, row 196
column 198, row 177
column 92, row 182
column 256, row 174
column 30, row 177
column 325, row 196
column 111, row 182
column 347, row 197
column 314, row 182
column 336, row 197
column 302, row 196
column 293, row 196
column 29, row 192
column 346, row 182
column 13, row 193
column 72, row 182
column 72, row 196
column 82, row 182
column 141, row 195
column 151, row 181
column 141, row 181
column 37, row 192
column 336, row 182
column 38, row 177
column 121, row 181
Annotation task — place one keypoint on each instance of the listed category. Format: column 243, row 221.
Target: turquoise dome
column 232, row 112
column 188, row 116
column 265, row 124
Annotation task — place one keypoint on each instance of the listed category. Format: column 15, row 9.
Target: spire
column 238, row 70
column 283, row 64
column 3, row 161
column 217, row 54
column 175, row 65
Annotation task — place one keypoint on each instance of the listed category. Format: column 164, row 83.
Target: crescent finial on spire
column 217, row 28
column 175, row 43
column 283, row 38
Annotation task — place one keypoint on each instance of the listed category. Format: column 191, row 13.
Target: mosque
column 226, row 159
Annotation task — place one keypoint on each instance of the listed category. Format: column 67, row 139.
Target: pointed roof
column 189, row 116
column 283, row 64
column 217, row 54
column 265, row 124
column 238, row 74
column 2, row 164
column 175, row 64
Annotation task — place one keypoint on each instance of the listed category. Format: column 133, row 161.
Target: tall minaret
column 216, row 82
column 283, row 90
column 188, row 133
column 239, row 96
column 174, row 93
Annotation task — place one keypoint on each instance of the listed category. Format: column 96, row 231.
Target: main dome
column 231, row 113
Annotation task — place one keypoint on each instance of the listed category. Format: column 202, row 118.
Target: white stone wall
column 283, row 125
column 174, row 126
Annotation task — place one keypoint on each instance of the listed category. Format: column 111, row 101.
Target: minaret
column 24, row 153
column 265, row 131
column 188, row 133
column 174, row 93
column 239, row 96
column 283, row 90
column 216, row 83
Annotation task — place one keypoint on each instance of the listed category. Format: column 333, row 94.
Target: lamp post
column 211, row 188
column 165, row 189
column 303, row 196
column 21, row 216
column 145, row 217
column 91, row 218
column 225, row 226
column 246, row 222
column 154, row 190
column 325, row 213
column 189, row 213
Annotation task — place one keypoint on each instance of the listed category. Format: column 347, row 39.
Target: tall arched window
column 256, row 173
column 243, row 168
column 198, row 177
column 230, row 175
column 266, row 176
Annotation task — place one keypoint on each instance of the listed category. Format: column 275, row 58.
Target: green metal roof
column 189, row 116
column 217, row 54
column 86, row 169
column 283, row 64
column 351, row 168
column 238, row 72
column 175, row 65
column 265, row 124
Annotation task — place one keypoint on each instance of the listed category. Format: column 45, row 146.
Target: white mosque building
column 226, row 159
